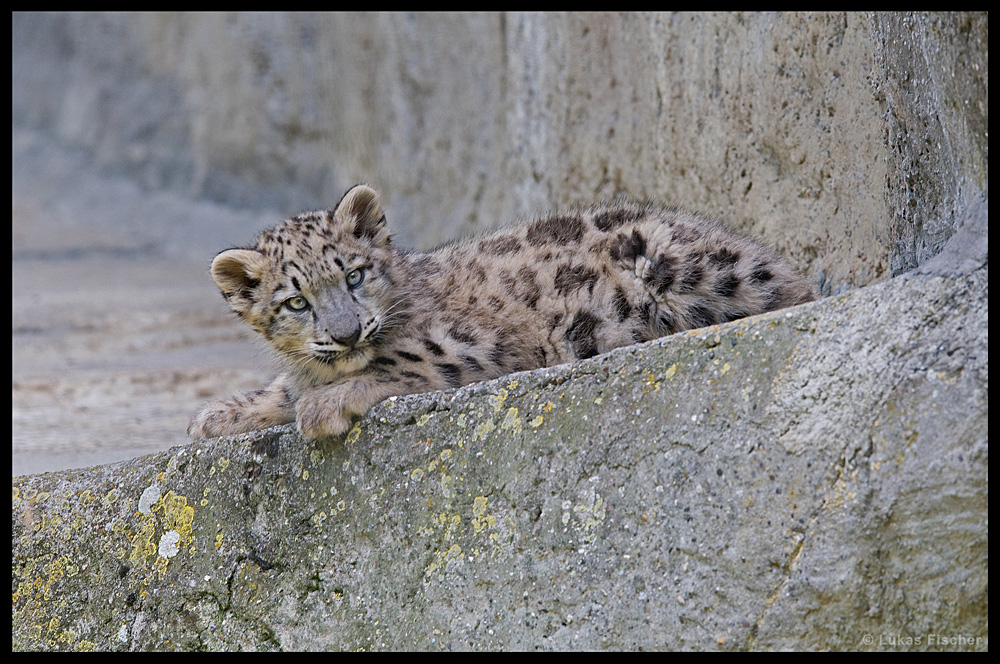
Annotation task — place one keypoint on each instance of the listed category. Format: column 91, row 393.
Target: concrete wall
column 812, row 479
column 849, row 141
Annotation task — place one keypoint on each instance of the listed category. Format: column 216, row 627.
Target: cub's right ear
column 237, row 273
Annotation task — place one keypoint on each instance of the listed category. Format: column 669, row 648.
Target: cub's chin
column 319, row 369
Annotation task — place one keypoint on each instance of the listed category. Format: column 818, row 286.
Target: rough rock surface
column 815, row 478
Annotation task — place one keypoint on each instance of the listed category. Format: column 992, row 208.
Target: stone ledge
column 816, row 478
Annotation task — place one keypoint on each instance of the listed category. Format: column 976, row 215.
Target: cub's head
column 319, row 286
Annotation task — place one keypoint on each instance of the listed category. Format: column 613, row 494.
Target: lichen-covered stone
column 813, row 478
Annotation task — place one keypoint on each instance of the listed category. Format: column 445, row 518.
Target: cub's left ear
column 362, row 207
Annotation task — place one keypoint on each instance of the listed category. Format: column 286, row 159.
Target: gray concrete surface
column 829, row 486
column 815, row 479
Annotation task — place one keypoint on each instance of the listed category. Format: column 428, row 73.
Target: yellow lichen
column 497, row 400
column 353, row 434
column 442, row 561
column 480, row 519
column 142, row 542
column 177, row 515
column 483, row 429
column 511, row 421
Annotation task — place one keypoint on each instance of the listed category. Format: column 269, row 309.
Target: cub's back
column 573, row 285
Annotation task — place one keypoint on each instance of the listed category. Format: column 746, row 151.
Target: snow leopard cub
column 356, row 320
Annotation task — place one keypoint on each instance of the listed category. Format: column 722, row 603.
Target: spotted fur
column 356, row 321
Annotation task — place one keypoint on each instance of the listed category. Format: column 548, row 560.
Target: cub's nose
column 347, row 340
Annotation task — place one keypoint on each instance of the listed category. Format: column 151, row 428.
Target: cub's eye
column 297, row 303
column 355, row 277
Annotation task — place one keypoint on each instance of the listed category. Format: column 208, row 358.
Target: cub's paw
column 321, row 412
column 258, row 410
column 219, row 418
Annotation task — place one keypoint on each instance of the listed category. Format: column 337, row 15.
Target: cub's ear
column 362, row 208
column 237, row 273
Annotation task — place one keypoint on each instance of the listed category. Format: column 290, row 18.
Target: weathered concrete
column 812, row 478
column 816, row 478
column 850, row 141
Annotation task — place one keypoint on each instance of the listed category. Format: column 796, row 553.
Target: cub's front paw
column 320, row 413
column 218, row 418
column 248, row 412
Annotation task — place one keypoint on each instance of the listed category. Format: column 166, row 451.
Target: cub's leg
column 327, row 410
column 273, row 405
